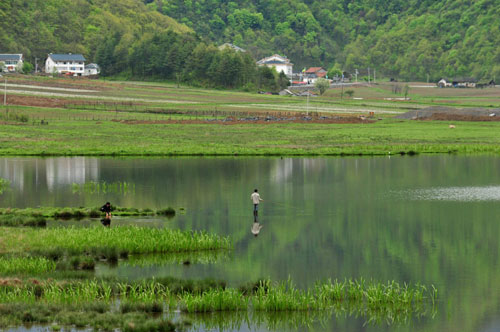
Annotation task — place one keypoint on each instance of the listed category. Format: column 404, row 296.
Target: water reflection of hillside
column 27, row 174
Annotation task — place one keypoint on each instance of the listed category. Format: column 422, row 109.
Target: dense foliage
column 415, row 39
column 407, row 39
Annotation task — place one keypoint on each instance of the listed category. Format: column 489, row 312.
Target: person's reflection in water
column 256, row 227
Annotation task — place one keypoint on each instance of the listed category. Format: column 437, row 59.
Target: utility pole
column 356, row 73
column 427, row 77
column 36, row 65
column 368, row 75
column 5, row 93
column 307, row 108
column 374, row 76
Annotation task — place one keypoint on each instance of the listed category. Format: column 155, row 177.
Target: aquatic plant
column 214, row 300
column 103, row 187
column 25, row 265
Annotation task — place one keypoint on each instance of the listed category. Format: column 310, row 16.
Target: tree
column 27, row 68
column 283, row 81
column 322, row 85
column 335, row 71
column 2, row 66
column 406, row 90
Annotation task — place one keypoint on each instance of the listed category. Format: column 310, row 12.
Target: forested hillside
column 38, row 27
column 406, row 39
column 177, row 39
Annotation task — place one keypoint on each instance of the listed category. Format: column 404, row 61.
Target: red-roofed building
column 313, row 73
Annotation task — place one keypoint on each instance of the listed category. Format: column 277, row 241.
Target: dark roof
column 276, row 62
column 6, row 57
column 67, row 57
column 92, row 66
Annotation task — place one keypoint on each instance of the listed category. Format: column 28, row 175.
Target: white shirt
column 255, row 197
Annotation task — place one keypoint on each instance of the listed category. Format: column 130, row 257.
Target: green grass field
column 159, row 119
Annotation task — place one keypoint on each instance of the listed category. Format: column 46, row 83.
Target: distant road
column 94, row 97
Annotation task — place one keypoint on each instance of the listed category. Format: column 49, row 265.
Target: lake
column 433, row 220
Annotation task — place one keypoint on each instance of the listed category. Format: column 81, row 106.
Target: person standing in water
column 106, row 208
column 255, row 197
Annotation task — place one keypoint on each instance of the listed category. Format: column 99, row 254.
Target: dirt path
column 322, row 109
column 36, row 87
column 93, row 97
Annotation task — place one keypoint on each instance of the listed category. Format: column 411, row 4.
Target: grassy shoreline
column 115, row 139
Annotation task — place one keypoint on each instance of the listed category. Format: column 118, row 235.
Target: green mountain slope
column 408, row 39
column 38, row 27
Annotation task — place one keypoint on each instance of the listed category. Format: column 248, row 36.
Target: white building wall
column 287, row 69
column 64, row 66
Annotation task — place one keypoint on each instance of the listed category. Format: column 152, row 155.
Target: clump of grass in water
column 22, row 221
column 26, row 265
column 214, row 300
column 121, row 239
column 79, row 213
column 389, row 302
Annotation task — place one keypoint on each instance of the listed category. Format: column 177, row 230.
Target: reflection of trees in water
column 4, row 185
column 27, row 174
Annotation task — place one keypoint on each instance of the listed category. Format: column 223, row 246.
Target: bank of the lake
column 381, row 137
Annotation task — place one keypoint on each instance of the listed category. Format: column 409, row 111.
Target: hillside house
column 92, row 69
column 457, row 83
column 444, row 83
column 71, row 64
column 12, row 62
column 280, row 63
column 313, row 73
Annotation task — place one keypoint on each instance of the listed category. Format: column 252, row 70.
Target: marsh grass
column 114, row 242
column 97, row 316
column 377, row 303
column 214, row 300
column 22, row 221
column 25, row 265
column 78, row 213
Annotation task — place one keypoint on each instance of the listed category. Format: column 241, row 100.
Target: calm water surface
column 431, row 219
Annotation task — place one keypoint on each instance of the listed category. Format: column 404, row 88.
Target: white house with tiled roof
column 11, row 62
column 65, row 64
column 280, row 63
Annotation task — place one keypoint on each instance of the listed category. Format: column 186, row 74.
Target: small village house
column 72, row 64
column 92, row 69
column 11, row 62
column 312, row 74
column 280, row 63
column 457, row 83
